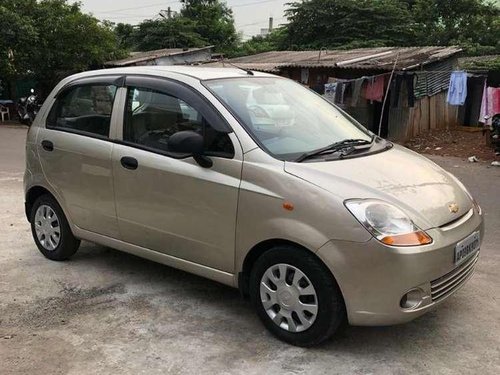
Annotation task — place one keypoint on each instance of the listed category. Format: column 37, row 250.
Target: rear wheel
column 295, row 296
column 51, row 230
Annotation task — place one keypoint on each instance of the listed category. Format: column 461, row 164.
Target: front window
column 151, row 117
column 285, row 118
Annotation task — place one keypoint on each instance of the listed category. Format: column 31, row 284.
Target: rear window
column 85, row 108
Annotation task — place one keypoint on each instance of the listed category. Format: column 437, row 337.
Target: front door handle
column 129, row 162
column 48, row 145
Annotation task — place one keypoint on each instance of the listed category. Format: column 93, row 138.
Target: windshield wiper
column 337, row 146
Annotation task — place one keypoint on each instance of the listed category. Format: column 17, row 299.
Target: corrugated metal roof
column 382, row 58
column 138, row 57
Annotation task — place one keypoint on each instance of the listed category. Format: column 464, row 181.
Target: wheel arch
column 32, row 195
column 259, row 249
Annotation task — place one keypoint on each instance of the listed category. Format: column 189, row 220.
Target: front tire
column 51, row 230
column 296, row 297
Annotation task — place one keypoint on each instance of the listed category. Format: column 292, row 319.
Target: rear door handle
column 48, row 145
column 129, row 162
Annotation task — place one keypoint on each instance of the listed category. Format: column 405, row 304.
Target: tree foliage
column 259, row 44
column 49, row 38
column 315, row 24
column 469, row 23
column 213, row 20
column 177, row 32
column 348, row 23
column 199, row 23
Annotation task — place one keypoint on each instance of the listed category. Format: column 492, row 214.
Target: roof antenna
column 247, row 71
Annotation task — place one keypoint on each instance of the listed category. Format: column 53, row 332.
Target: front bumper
column 373, row 277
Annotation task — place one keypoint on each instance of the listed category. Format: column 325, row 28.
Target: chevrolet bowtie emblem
column 453, row 207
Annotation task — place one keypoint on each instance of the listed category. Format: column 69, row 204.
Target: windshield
column 284, row 117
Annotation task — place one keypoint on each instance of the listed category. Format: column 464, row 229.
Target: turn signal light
column 407, row 239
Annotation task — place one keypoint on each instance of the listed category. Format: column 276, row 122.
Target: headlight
column 387, row 223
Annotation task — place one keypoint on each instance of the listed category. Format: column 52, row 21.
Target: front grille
column 447, row 284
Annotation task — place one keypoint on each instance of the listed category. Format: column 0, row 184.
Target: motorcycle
column 27, row 108
column 495, row 133
column 492, row 133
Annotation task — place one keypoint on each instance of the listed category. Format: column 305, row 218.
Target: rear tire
column 51, row 230
column 296, row 297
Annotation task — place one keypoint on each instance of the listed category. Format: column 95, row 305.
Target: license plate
column 467, row 247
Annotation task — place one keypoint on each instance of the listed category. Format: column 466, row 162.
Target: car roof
column 198, row 72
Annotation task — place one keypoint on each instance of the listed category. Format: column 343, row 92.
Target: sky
column 249, row 15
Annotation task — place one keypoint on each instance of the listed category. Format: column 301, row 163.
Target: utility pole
column 168, row 13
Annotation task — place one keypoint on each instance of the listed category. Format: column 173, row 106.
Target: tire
column 60, row 244
column 323, row 320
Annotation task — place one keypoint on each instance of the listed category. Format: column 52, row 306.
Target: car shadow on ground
column 164, row 283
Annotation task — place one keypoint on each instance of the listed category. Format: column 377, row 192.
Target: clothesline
column 402, row 72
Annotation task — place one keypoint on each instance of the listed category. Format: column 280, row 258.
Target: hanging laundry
column 331, row 91
column 375, row 89
column 408, row 82
column 457, row 92
column 346, row 86
column 421, row 84
column 490, row 105
column 356, row 91
column 342, row 87
column 338, row 92
column 483, row 114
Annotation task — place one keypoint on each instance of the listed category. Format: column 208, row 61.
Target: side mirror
column 192, row 143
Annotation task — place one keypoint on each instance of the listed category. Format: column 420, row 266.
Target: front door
column 167, row 202
column 75, row 152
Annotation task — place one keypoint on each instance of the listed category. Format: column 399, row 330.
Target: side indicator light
column 408, row 239
column 288, row 206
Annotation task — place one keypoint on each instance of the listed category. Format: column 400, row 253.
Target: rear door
column 165, row 201
column 75, row 152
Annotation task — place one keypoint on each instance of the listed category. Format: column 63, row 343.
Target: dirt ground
column 107, row 312
column 458, row 143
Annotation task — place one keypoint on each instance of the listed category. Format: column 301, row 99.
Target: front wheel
column 296, row 297
column 51, row 230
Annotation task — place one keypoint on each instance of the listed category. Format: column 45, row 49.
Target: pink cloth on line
column 375, row 89
column 490, row 105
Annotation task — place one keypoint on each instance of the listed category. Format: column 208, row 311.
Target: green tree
column 176, row 32
column 474, row 24
column 17, row 34
column 51, row 38
column 259, row 44
column 213, row 20
column 348, row 23
column 125, row 36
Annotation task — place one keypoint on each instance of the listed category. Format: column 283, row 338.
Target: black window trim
column 157, row 84
column 117, row 80
column 184, row 92
column 172, row 155
column 120, row 81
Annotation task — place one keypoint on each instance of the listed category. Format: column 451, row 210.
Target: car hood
column 414, row 183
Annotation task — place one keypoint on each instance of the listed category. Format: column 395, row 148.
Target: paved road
column 109, row 312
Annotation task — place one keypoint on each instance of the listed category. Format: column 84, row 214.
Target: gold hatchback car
column 253, row 181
